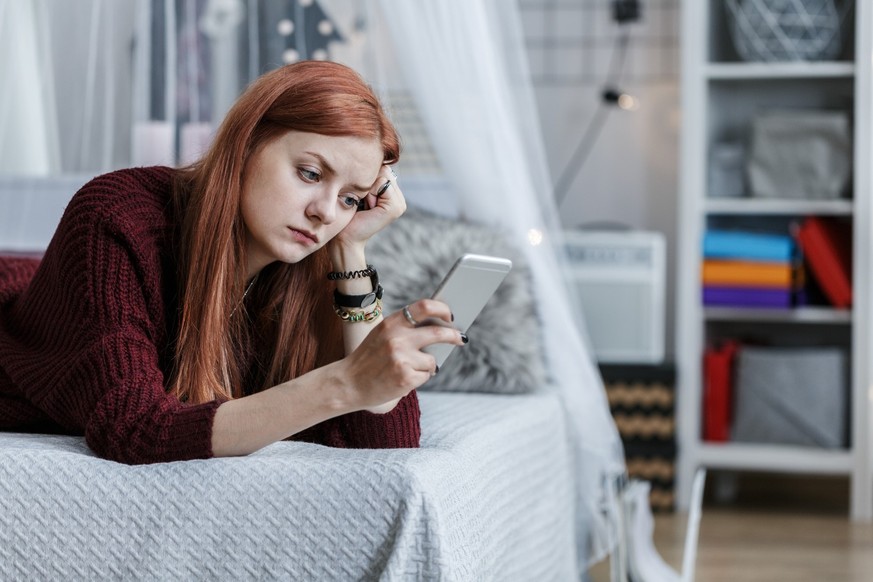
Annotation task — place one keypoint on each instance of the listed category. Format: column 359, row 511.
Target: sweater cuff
column 180, row 433
column 191, row 436
column 399, row 428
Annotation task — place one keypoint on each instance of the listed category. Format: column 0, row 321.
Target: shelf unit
column 720, row 94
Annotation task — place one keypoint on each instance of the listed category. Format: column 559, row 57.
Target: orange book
column 827, row 250
column 750, row 274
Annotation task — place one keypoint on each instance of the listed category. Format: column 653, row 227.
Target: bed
column 489, row 495
column 485, row 498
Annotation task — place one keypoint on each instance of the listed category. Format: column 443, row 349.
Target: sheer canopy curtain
column 465, row 64
column 65, row 102
column 28, row 130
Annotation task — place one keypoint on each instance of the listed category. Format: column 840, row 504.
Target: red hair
column 291, row 328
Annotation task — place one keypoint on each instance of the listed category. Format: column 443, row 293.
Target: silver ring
column 409, row 317
column 383, row 188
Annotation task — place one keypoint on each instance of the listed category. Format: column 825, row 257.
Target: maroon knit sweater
column 85, row 335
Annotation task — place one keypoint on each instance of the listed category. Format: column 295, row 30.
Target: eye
column 349, row 201
column 309, row 175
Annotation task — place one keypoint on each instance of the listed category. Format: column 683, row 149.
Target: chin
column 296, row 255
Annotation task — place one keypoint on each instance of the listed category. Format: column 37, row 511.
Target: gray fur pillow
column 505, row 351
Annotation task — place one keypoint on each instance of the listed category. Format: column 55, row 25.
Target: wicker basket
column 788, row 30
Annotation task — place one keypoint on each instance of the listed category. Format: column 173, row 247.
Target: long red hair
column 290, row 327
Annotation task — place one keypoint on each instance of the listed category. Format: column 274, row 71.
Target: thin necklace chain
column 246, row 292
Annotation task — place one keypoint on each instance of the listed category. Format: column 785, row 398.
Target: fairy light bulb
column 627, row 102
column 285, row 27
column 623, row 100
column 290, row 56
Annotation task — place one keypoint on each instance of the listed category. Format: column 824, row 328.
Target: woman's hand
column 389, row 362
column 380, row 210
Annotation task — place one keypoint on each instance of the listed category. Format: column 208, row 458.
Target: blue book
column 728, row 244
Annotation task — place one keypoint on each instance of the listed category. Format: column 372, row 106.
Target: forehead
column 355, row 158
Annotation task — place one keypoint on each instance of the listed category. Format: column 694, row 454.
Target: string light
column 325, row 27
column 624, row 12
column 290, row 56
column 285, row 27
column 624, row 100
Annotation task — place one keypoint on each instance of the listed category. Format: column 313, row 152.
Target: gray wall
column 630, row 175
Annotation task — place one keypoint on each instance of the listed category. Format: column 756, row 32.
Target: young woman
column 212, row 310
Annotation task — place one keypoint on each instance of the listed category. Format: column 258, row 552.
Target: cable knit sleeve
column 400, row 428
column 81, row 343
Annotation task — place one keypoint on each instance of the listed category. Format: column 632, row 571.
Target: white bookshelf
column 775, row 207
column 785, row 459
column 746, row 71
column 820, row 315
column 720, row 95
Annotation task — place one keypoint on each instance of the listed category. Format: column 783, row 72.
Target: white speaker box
column 619, row 278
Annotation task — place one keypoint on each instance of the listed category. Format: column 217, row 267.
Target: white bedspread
column 487, row 497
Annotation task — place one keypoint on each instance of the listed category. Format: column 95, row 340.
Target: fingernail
column 464, row 337
column 437, row 371
column 453, row 316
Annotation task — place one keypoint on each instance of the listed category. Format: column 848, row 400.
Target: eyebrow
column 329, row 169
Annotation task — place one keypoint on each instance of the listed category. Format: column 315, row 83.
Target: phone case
column 466, row 288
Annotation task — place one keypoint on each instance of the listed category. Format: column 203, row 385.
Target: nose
column 322, row 206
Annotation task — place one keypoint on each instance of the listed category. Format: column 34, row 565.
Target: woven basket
column 788, row 30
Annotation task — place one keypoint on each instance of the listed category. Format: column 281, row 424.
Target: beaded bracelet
column 357, row 315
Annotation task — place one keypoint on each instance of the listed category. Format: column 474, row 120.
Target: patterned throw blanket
column 487, row 497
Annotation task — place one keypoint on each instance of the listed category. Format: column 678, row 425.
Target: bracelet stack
column 359, row 315
column 358, row 308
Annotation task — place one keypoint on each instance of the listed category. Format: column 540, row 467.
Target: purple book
column 752, row 297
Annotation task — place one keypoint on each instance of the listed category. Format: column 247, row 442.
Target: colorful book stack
column 745, row 269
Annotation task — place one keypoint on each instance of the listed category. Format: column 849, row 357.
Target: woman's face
column 300, row 190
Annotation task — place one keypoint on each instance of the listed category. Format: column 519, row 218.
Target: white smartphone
column 466, row 288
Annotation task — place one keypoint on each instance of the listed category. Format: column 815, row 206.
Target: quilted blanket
column 487, row 497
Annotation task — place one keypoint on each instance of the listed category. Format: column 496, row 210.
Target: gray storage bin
column 791, row 396
column 800, row 155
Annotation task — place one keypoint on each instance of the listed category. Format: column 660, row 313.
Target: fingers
column 407, row 366
column 383, row 187
column 425, row 364
column 420, row 312
column 386, row 190
column 432, row 322
column 391, row 361
column 387, row 178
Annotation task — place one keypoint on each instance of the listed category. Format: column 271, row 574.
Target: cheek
column 341, row 223
column 252, row 211
column 262, row 206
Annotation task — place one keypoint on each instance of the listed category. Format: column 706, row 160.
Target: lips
column 304, row 236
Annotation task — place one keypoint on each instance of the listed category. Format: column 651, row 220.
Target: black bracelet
column 368, row 272
column 364, row 300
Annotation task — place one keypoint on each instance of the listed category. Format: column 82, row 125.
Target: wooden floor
column 769, row 539
column 753, row 545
